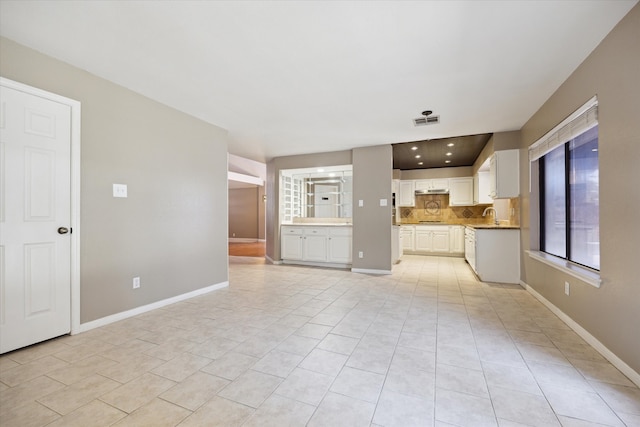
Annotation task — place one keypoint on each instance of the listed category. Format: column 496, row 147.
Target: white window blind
column 577, row 123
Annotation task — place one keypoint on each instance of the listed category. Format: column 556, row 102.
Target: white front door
column 35, row 211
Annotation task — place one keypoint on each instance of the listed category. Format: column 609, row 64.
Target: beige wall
column 334, row 158
column 246, row 213
column 172, row 229
column 611, row 313
column 372, row 173
column 436, row 173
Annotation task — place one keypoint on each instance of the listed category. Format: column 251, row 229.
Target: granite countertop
column 476, row 226
column 493, row 227
column 319, row 224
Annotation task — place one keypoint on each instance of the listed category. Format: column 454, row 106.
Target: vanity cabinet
column 316, row 245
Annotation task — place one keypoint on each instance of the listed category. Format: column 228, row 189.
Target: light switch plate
column 383, row 202
column 360, row 203
column 119, row 190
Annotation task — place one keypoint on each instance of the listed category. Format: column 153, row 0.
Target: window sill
column 583, row 273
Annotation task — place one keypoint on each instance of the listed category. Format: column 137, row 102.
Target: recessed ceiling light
column 449, row 153
column 451, row 144
column 420, row 163
column 320, row 170
column 414, row 148
column 447, row 161
column 594, row 149
column 332, row 174
column 417, row 156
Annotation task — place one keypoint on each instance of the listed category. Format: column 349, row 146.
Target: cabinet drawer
column 292, row 230
column 315, row 231
column 340, row 231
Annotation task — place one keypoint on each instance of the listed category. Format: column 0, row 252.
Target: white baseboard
column 145, row 308
column 370, row 271
column 243, row 240
column 585, row 335
column 316, row 264
column 272, row 261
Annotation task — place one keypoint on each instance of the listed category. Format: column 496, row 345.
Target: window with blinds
column 567, row 162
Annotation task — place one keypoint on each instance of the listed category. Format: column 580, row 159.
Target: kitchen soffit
column 433, row 152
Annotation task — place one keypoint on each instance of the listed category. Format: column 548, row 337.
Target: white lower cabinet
column 314, row 248
column 456, row 239
column 407, row 235
column 339, row 245
column 328, row 244
column 291, row 243
column 433, row 239
column 494, row 254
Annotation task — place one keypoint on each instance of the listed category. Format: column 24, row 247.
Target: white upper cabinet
column 504, row 177
column 481, row 194
column 432, row 184
column 407, row 193
column 461, row 191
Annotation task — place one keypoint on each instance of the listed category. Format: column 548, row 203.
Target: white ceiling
column 299, row 77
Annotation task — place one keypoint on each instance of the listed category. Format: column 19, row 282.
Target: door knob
column 63, row 230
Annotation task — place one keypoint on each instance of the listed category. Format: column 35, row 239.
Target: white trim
column 243, row 240
column 584, row 334
column 316, row 264
column 247, row 179
column 581, row 120
column 585, row 274
column 370, row 271
column 75, row 107
column 145, row 308
column 272, row 261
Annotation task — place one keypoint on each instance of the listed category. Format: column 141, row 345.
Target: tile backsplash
column 435, row 208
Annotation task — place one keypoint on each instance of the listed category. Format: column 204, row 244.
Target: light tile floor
column 284, row 346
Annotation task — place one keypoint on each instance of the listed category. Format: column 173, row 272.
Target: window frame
column 567, row 206
column 575, row 124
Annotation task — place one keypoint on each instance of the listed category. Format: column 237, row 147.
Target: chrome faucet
column 495, row 217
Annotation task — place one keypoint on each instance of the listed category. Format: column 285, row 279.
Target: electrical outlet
column 360, row 254
column 136, row 282
column 120, row 190
column 233, row 234
column 566, row 288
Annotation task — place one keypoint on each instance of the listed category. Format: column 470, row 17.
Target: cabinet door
column 291, row 246
column 456, row 239
column 481, row 190
column 424, row 241
column 440, row 184
column 423, row 184
column 407, row 193
column 315, row 248
column 492, row 176
column 461, row 191
column 504, row 174
column 407, row 239
column 339, row 249
column 440, row 241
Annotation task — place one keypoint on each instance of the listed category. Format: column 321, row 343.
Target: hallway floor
column 290, row 346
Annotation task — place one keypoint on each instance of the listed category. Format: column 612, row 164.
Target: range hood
column 432, row 191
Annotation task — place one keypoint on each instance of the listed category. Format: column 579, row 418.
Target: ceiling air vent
column 423, row 121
